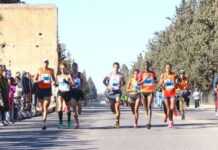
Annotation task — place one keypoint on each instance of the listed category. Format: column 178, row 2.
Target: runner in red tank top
column 168, row 84
column 44, row 79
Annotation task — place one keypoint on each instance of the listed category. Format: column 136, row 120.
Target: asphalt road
column 198, row 132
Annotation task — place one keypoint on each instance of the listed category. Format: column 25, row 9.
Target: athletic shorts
column 113, row 95
column 44, row 93
column 133, row 97
column 76, row 94
column 145, row 95
column 64, row 95
column 169, row 97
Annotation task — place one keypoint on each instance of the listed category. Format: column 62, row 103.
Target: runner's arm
column 53, row 76
column 71, row 81
column 161, row 81
column 106, row 81
column 123, row 82
column 128, row 86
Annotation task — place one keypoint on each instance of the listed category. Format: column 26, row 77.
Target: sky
column 100, row 32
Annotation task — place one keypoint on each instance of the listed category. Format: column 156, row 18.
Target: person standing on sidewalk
column 12, row 90
column 27, row 90
column 216, row 94
column 196, row 97
column 4, row 88
column 44, row 79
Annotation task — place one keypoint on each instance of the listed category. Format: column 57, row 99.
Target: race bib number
column 46, row 78
column 148, row 81
column 115, row 85
column 169, row 84
column 135, row 87
column 77, row 82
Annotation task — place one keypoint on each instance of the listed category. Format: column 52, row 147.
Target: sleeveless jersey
column 62, row 85
column 133, row 86
column 45, row 77
column 169, row 85
column 77, row 80
column 148, row 79
column 115, row 81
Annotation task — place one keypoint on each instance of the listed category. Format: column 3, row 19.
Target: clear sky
column 99, row 32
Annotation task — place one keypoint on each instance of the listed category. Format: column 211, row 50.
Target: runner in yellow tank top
column 133, row 90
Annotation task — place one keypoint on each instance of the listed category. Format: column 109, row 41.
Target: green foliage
column 190, row 42
column 125, row 71
column 92, row 89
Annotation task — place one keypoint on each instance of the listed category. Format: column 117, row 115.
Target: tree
column 190, row 42
column 125, row 71
column 10, row 1
column 92, row 89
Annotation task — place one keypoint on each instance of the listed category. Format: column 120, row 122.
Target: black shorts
column 64, row 95
column 133, row 97
column 113, row 95
column 145, row 95
column 44, row 93
column 76, row 94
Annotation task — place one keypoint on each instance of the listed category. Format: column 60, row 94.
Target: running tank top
column 169, row 85
column 45, row 76
column 134, row 87
column 63, row 86
column 77, row 80
column 183, row 84
column 115, row 81
column 148, row 79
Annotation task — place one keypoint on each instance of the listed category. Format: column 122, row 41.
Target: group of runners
column 141, row 88
column 69, row 84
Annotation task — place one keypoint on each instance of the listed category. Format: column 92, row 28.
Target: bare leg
column 60, row 110
column 117, row 110
column 75, row 113
column 137, row 104
column 149, row 108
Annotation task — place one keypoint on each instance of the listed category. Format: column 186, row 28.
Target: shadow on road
column 34, row 140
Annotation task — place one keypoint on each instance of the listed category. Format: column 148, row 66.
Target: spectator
column 12, row 88
column 4, row 88
column 27, row 90
column 196, row 97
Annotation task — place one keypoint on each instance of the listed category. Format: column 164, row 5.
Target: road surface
column 198, row 132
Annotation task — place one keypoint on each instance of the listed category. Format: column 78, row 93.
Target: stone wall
column 28, row 35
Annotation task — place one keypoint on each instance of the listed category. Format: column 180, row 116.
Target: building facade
column 28, row 35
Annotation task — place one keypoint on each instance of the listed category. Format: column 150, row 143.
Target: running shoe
column 170, row 124
column 44, row 127
column 69, row 124
column 60, row 126
column 148, row 126
column 117, row 124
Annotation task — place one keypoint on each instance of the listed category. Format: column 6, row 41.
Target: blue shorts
column 76, row 94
